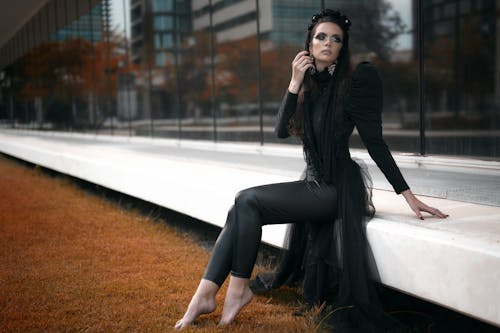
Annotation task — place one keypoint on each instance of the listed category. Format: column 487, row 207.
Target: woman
column 323, row 103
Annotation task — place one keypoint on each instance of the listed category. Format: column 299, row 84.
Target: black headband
column 335, row 15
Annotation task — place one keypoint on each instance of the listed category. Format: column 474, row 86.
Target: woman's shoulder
column 365, row 73
column 365, row 70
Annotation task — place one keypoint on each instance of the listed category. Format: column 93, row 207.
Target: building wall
column 217, row 69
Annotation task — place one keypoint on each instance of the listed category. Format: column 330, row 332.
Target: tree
column 64, row 73
column 377, row 27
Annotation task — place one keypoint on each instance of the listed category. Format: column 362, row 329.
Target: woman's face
column 326, row 43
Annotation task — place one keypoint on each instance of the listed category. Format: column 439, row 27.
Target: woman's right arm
column 285, row 112
column 300, row 64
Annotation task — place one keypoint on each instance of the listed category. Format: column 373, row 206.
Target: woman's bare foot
column 238, row 295
column 203, row 302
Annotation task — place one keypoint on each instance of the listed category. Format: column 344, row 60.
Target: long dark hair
column 343, row 72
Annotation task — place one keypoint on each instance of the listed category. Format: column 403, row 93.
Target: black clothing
column 237, row 245
column 327, row 247
column 363, row 110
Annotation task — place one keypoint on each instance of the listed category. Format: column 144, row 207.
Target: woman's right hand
column 300, row 64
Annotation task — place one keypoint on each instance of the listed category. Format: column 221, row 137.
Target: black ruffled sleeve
column 364, row 107
column 286, row 110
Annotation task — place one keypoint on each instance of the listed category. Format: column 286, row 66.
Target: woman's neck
column 321, row 67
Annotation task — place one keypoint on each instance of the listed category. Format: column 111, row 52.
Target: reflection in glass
column 163, row 22
column 461, row 78
column 236, row 72
column 205, row 70
column 163, row 5
column 283, row 27
column 195, row 82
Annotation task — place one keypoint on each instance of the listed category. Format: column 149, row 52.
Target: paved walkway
column 455, row 263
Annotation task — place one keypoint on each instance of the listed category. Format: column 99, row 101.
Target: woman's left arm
column 418, row 206
column 364, row 107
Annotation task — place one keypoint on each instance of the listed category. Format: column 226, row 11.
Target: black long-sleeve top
column 363, row 109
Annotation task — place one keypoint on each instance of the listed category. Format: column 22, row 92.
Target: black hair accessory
column 336, row 16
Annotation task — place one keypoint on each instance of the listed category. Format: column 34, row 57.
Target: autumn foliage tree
column 235, row 73
column 64, row 73
column 191, row 77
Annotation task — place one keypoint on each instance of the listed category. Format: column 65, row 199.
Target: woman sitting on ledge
column 324, row 101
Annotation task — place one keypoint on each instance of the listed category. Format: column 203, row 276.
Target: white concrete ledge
column 455, row 263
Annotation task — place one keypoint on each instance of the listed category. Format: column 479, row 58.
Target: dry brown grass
column 71, row 261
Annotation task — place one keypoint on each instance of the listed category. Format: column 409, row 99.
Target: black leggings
column 236, row 248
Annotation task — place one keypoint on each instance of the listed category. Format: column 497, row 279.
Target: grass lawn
column 74, row 261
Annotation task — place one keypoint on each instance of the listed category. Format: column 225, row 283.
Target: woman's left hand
column 418, row 206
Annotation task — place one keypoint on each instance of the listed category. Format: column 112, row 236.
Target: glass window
column 61, row 16
column 167, row 41
column 464, row 6
column 236, row 79
column 183, row 23
column 42, row 21
column 158, row 41
column 160, row 59
column 462, row 104
column 437, row 13
column 450, row 9
column 443, row 28
column 181, row 6
column 136, row 13
column 68, row 77
column 51, row 21
column 163, row 22
column 163, row 5
column 195, row 104
column 164, row 41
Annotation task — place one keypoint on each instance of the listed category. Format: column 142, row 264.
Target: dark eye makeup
column 334, row 38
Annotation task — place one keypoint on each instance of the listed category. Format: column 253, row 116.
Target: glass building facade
column 218, row 69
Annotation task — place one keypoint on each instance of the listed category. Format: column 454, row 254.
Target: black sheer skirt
column 331, row 262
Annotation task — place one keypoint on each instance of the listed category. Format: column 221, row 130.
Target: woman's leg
column 291, row 202
column 203, row 301
column 218, row 268
column 238, row 243
column 269, row 204
column 238, row 295
column 220, row 262
column 237, row 246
